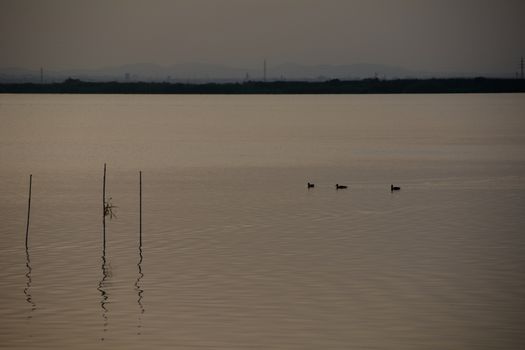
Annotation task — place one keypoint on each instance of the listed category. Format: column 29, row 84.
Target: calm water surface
column 236, row 252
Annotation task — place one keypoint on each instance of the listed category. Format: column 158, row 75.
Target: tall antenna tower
column 521, row 68
column 42, row 75
column 265, row 69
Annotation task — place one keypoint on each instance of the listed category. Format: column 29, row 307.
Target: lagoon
column 237, row 253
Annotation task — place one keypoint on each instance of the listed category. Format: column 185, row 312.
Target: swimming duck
column 310, row 185
column 340, row 187
column 394, row 188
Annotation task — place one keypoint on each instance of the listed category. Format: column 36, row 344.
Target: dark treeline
column 365, row 86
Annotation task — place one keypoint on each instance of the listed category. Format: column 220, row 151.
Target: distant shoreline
column 365, row 86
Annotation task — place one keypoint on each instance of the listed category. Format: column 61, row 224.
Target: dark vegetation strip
column 366, row 86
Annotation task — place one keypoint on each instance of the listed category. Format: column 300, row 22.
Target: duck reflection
column 27, row 289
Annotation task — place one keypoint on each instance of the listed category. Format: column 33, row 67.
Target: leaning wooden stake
column 140, row 208
column 28, row 210
column 104, row 208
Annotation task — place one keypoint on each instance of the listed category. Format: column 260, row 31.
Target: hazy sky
column 432, row 35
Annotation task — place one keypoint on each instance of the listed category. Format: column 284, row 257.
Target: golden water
column 236, row 252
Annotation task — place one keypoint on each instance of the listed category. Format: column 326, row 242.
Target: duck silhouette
column 340, row 187
column 310, row 185
column 394, row 188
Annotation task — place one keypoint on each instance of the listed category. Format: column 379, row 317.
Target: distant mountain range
column 202, row 72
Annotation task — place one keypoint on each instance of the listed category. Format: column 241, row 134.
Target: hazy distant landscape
column 203, row 72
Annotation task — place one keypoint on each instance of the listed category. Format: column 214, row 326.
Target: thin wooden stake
column 140, row 207
column 104, row 208
column 28, row 210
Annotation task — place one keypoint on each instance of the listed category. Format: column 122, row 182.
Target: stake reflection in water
column 140, row 291
column 138, row 287
column 103, row 293
column 27, row 289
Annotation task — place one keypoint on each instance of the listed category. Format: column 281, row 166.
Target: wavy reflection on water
column 103, row 293
column 138, row 286
column 27, row 289
column 140, row 291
